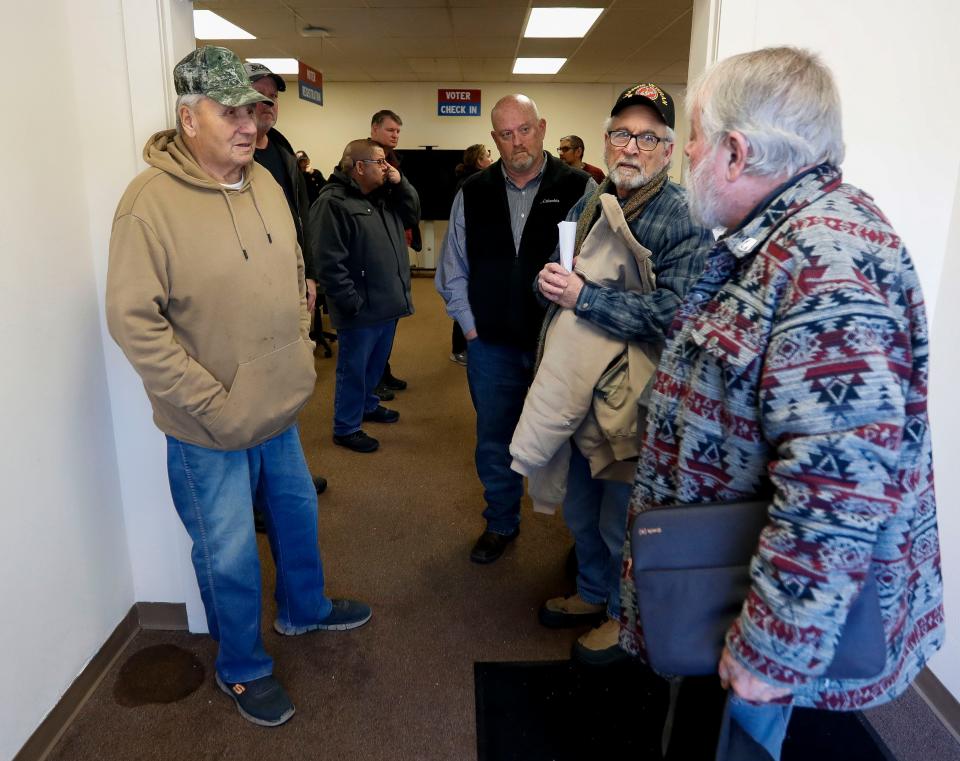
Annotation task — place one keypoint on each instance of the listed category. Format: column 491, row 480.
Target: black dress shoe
column 381, row 415
column 259, row 522
column 320, row 484
column 490, row 546
column 358, row 441
column 392, row 383
column 384, row 393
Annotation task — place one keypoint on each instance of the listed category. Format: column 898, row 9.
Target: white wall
column 83, row 469
column 63, row 558
column 323, row 131
column 896, row 67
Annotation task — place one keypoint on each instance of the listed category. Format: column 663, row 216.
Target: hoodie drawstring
column 260, row 214
column 236, row 228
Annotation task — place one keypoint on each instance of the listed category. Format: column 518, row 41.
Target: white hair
column 190, row 100
column 782, row 100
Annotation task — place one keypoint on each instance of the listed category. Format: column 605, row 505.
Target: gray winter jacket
column 361, row 251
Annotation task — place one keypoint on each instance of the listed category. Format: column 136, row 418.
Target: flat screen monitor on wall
column 433, row 173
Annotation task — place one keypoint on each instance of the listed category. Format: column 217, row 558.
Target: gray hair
column 668, row 137
column 190, row 100
column 782, row 100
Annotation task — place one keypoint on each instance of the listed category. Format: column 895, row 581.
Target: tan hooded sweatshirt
column 206, row 297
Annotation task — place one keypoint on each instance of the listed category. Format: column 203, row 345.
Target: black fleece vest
column 501, row 279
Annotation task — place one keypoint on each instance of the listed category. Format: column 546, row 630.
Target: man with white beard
column 797, row 367
column 638, row 145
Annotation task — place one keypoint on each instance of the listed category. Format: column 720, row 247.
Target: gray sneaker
column 346, row 614
column 261, row 701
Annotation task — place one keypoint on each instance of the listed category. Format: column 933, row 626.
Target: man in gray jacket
column 357, row 229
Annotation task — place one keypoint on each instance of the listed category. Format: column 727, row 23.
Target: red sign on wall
column 311, row 84
column 456, row 102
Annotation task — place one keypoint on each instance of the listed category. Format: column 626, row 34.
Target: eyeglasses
column 646, row 141
column 378, row 162
column 565, row 148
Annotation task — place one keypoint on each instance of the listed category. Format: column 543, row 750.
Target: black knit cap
column 647, row 94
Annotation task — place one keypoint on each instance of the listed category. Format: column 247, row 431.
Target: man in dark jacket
column 275, row 153
column 356, row 227
column 503, row 229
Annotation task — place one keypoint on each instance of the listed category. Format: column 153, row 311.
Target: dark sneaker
column 490, row 546
column 358, row 441
column 385, row 394
column 320, row 484
column 262, row 701
column 460, row 357
column 346, row 614
column 381, row 415
column 392, row 383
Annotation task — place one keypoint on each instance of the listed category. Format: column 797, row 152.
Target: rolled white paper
column 568, row 236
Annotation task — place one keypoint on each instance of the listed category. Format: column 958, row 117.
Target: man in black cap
column 638, row 145
column 274, row 152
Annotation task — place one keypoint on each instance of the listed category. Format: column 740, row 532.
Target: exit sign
column 454, row 102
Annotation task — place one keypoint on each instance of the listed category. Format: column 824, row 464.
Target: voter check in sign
column 458, row 103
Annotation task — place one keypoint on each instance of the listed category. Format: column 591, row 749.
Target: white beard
column 704, row 198
column 625, row 179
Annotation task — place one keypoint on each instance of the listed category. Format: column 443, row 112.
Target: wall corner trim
column 141, row 616
column 941, row 702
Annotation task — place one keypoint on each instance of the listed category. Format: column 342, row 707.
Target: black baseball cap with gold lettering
column 647, row 94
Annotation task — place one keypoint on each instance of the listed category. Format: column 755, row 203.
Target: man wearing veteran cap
column 206, row 296
column 638, row 252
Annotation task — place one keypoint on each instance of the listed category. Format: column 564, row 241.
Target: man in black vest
column 503, row 229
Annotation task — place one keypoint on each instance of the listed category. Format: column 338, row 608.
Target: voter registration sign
column 310, row 83
column 458, row 103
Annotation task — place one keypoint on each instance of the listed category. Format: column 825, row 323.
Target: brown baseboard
column 941, row 702
column 168, row 616
column 142, row 615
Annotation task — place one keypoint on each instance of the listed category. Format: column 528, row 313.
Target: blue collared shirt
column 453, row 270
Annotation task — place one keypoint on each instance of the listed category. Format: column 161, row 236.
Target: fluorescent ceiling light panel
column 207, row 25
column 561, row 22
column 538, row 65
column 279, row 65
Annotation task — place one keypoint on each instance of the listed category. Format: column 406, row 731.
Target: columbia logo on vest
column 550, row 200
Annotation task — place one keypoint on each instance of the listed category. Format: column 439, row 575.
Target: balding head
column 518, row 132
column 363, row 160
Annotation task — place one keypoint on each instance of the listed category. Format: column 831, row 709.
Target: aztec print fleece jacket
column 800, row 361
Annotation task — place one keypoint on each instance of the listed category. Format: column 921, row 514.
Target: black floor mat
column 560, row 711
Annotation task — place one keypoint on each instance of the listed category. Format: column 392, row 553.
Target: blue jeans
column 213, row 493
column 595, row 511
column 361, row 358
column 499, row 377
column 752, row 732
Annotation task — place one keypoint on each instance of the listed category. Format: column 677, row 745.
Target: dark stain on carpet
column 158, row 674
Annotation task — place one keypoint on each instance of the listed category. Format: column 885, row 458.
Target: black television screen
column 433, row 173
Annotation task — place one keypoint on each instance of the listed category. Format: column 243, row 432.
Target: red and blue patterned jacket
column 799, row 360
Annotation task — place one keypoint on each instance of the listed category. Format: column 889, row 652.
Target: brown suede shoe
column 566, row 612
column 600, row 646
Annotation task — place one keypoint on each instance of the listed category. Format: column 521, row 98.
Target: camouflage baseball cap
column 218, row 74
column 258, row 71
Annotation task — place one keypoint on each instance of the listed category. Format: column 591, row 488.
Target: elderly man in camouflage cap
column 206, row 296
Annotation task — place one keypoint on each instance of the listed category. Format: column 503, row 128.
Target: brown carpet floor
column 396, row 528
